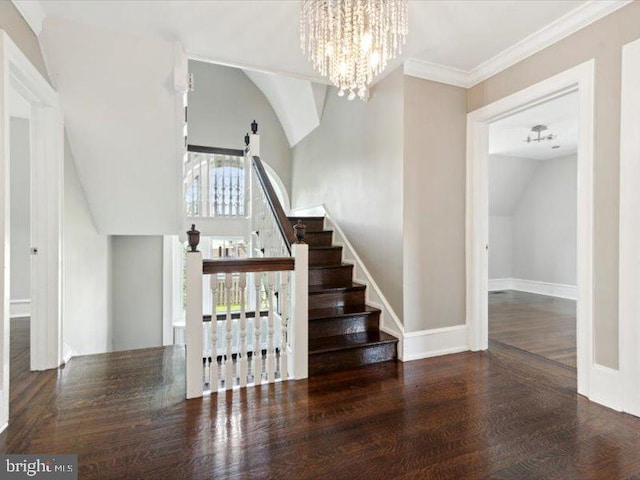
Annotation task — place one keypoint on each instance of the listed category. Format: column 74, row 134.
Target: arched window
column 214, row 183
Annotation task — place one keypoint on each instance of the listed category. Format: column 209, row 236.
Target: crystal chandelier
column 351, row 41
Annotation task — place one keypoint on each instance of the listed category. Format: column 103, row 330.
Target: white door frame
column 579, row 78
column 629, row 276
column 47, row 177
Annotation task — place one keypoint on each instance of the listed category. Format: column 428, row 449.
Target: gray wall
column 508, row 178
column 353, row 163
column 87, row 316
column 545, row 222
column 221, row 108
column 603, row 41
column 20, row 210
column 434, row 204
column 500, row 246
column 137, row 292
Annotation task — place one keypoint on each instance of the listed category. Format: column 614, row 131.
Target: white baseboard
column 435, row 342
column 20, row 308
column 532, row 286
column 496, row 284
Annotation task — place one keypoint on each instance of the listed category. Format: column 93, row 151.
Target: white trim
column 32, row 12
column 47, row 191
column 581, row 78
column 497, row 284
column 20, row 308
column 171, row 286
column 629, row 273
column 4, row 425
column 578, row 18
column 415, row 67
column 435, row 342
column 607, row 387
column 389, row 321
column 558, row 290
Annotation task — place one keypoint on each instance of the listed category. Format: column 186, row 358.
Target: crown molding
column 569, row 23
column 436, row 72
column 32, row 12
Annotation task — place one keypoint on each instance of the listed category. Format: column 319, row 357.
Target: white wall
column 353, row 163
column 544, row 224
column 124, row 123
column 137, row 292
column 223, row 104
column 20, row 210
column 87, row 316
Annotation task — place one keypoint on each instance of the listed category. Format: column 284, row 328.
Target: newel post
column 300, row 310
column 193, row 320
column 252, row 141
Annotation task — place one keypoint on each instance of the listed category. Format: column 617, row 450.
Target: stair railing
column 250, row 346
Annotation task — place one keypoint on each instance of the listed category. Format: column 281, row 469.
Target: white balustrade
column 269, row 344
column 215, row 185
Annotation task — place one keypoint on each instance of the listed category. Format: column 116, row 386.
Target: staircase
column 343, row 331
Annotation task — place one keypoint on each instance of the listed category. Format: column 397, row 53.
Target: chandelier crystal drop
column 351, row 41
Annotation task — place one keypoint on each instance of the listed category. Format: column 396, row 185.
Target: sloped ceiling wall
column 298, row 103
column 122, row 117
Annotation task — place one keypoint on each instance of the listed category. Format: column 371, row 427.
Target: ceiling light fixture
column 351, row 41
column 540, row 138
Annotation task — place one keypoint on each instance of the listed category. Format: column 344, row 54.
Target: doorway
column 580, row 80
column 46, row 173
column 532, row 229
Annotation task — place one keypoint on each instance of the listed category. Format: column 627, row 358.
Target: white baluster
column 283, row 301
column 243, row 331
column 257, row 330
column 214, row 375
column 228, row 364
column 271, row 350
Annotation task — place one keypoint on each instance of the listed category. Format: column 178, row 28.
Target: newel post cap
column 299, row 230
column 194, row 238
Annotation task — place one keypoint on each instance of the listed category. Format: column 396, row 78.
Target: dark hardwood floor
column 500, row 414
column 538, row 324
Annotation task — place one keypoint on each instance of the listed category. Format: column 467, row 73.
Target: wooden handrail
column 237, row 265
column 215, row 150
column 281, row 218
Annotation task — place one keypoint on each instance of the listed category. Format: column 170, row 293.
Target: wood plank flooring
column 537, row 324
column 500, row 414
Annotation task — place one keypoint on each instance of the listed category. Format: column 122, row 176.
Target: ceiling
column 263, row 34
column 507, row 136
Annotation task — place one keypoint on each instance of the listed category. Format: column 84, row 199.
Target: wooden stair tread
column 336, row 265
column 303, row 218
column 342, row 311
column 329, row 247
column 319, row 289
column 350, row 341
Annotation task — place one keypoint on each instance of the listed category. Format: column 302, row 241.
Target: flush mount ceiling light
column 351, row 41
column 540, row 138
